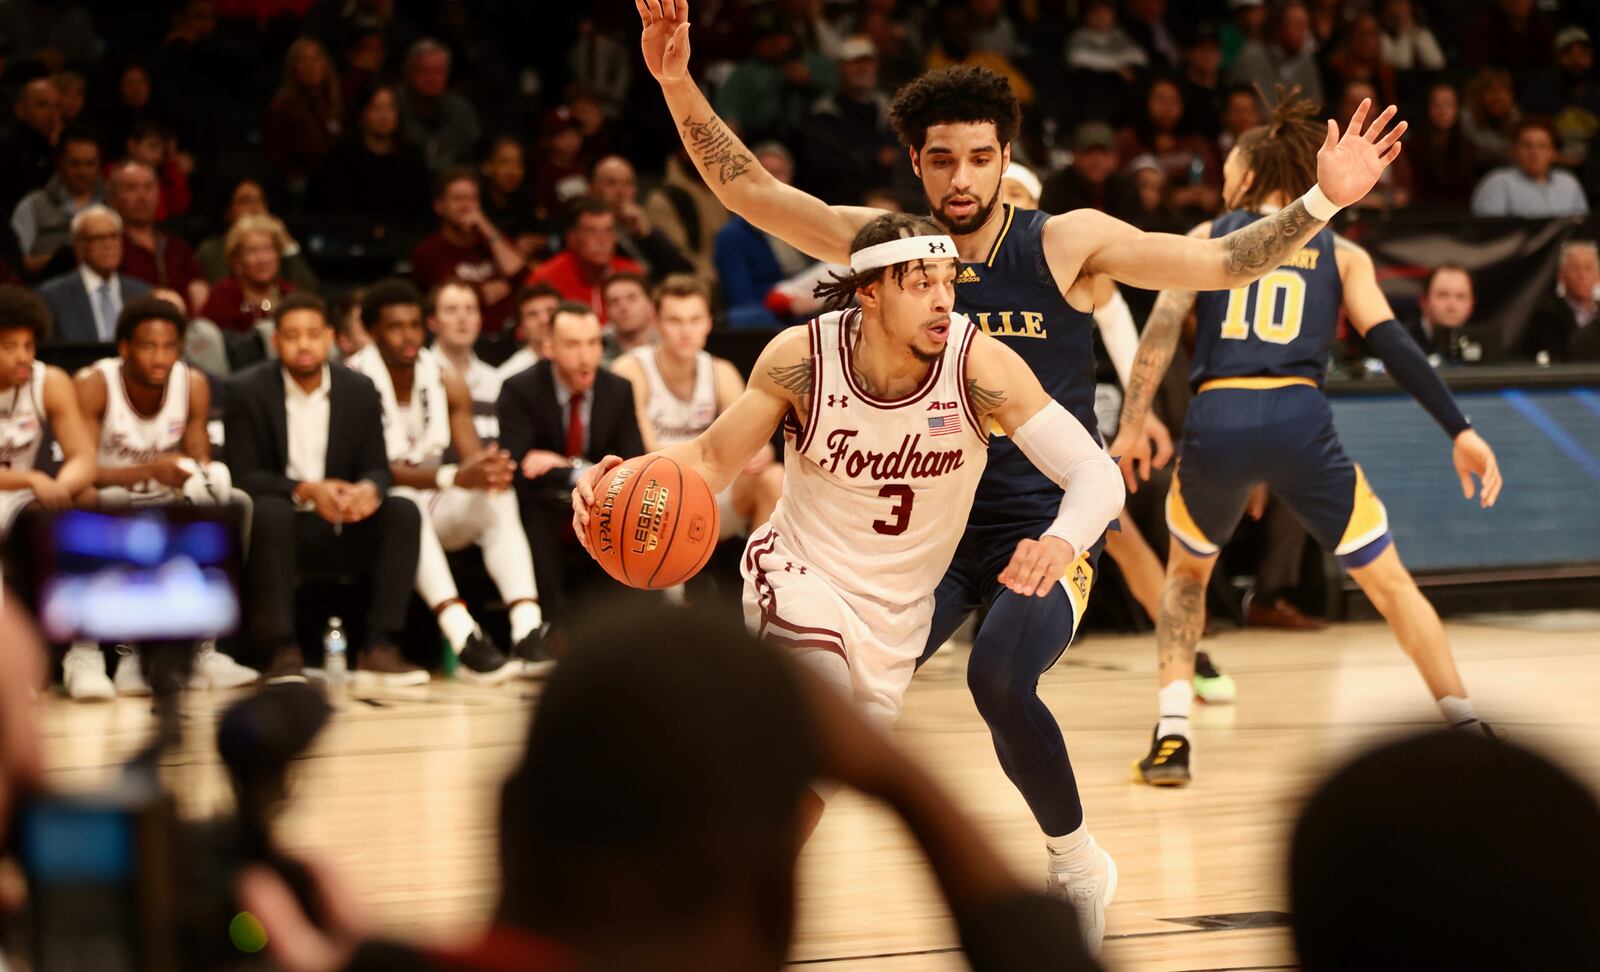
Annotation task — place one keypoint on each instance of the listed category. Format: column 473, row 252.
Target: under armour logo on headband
column 903, row 250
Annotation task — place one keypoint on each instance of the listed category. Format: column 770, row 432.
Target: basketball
column 653, row 523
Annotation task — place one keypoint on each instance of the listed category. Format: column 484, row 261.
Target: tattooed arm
column 780, row 383
column 1087, row 242
column 728, row 167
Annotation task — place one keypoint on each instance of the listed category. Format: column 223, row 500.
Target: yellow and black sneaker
column 1167, row 764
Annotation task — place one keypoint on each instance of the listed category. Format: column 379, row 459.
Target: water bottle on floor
column 335, row 651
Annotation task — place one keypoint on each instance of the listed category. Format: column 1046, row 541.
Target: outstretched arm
column 1347, row 169
column 729, row 168
column 1372, row 317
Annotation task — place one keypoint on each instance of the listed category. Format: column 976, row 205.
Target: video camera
column 117, row 882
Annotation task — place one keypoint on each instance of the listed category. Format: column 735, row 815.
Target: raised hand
column 665, row 40
column 1348, row 166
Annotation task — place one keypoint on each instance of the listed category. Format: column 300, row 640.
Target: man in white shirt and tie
column 86, row 301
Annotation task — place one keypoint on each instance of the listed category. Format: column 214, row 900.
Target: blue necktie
column 108, row 312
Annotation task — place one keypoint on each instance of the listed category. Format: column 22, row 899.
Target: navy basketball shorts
column 1276, row 431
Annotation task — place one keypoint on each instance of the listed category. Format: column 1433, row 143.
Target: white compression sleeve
column 1118, row 334
column 1063, row 449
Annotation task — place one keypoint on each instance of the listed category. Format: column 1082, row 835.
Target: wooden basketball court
column 401, row 794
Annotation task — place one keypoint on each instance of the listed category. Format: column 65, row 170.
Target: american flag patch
column 947, row 424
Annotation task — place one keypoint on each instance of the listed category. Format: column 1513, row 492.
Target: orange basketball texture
column 653, row 524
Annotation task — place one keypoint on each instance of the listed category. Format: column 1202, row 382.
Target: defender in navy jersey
column 1259, row 416
column 957, row 124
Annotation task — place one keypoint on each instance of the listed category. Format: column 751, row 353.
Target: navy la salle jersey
column 1012, row 297
column 1280, row 326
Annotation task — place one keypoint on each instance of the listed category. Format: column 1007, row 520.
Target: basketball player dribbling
column 886, row 411
column 1030, row 280
column 1259, row 416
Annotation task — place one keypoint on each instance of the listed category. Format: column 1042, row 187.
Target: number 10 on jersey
column 1269, row 325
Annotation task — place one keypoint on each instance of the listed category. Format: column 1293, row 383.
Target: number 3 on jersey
column 901, row 511
column 1270, row 324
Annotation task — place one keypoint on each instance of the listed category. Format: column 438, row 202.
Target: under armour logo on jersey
column 839, row 401
column 790, row 567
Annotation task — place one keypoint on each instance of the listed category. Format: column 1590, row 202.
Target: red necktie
column 575, row 426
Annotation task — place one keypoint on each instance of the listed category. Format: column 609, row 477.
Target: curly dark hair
column 147, row 308
column 840, row 292
column 22, row 308
column 955, row 94
column 387, row 293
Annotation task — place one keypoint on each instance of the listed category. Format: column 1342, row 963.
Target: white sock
column 457, row 624
column 525, row 618
column 1458, row 711
column 1175, row 698
column 1072, row 853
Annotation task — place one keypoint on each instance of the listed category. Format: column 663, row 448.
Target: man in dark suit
column 1566, row 324
column 557, row 417
column 305, row 440
column 87, row 300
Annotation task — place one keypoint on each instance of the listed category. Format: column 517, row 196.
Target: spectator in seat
column 1445, row 165
column 86, row 302
column 615, row 184
column 1491, row 116
column 1247, row 23
column 1406, row 44
column 687, row 212
column 506, row 197
column 953, row 48
column 1091, row 181
column 156, row 146
column 373, row 176
column 74, row 90
column 28, row 150
column 1359, row 57
column 1532, row 188
column 557, row 417
column 306, row 116
column 157, row 258
column 468, row 247
column 1285, row 55
column 1099, row 46
column 1441, row 324
column 1201, row 84
column 992, row 30
column 305, row 440
column 249, row 295
column 1564, row 327
column 536, row 307
column 1415, row 804
column 750, row 262
column 1570, row 97
column 441, row 123
column 1510, row 34
column 1151, row 28
column 249, row 198
column 560, row 177
column 1192, row 170
column 630, row 315
column 1241, row 111
column 848, row 143
column 590, row 258
column 769, row 91
column 42, row 221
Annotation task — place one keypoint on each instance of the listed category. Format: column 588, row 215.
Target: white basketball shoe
column 1089, row 893
column 83, row 674
column 215, row 670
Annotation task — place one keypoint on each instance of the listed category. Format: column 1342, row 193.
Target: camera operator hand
column 294, row 941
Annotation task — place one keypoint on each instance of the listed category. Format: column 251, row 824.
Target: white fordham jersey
column 22, row 422
column 483, row 385
column 876, row 493
column 673, row 419
column 130, row 439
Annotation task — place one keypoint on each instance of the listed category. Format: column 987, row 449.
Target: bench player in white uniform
column 536, row 308
column 679, row 389
column 148, row 411
column 885, row 411
column 426, row 410
column 36, row 397
column 456, row 320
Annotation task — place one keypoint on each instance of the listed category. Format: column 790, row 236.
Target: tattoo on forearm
column 1182, row 618
column 716, row 149
column 1157, row 345
column 1266, row 242
column 985, row 400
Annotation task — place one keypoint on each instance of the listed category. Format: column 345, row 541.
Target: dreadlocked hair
column 839, row 292
column 1283, row 152
column 952, row 95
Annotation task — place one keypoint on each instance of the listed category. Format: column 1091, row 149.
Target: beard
column 971, row 224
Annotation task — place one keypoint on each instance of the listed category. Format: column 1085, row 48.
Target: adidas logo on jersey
column 967, row 275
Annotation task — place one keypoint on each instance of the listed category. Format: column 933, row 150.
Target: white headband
column 903, row 250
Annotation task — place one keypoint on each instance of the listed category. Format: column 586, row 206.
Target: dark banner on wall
column 1513, row 262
